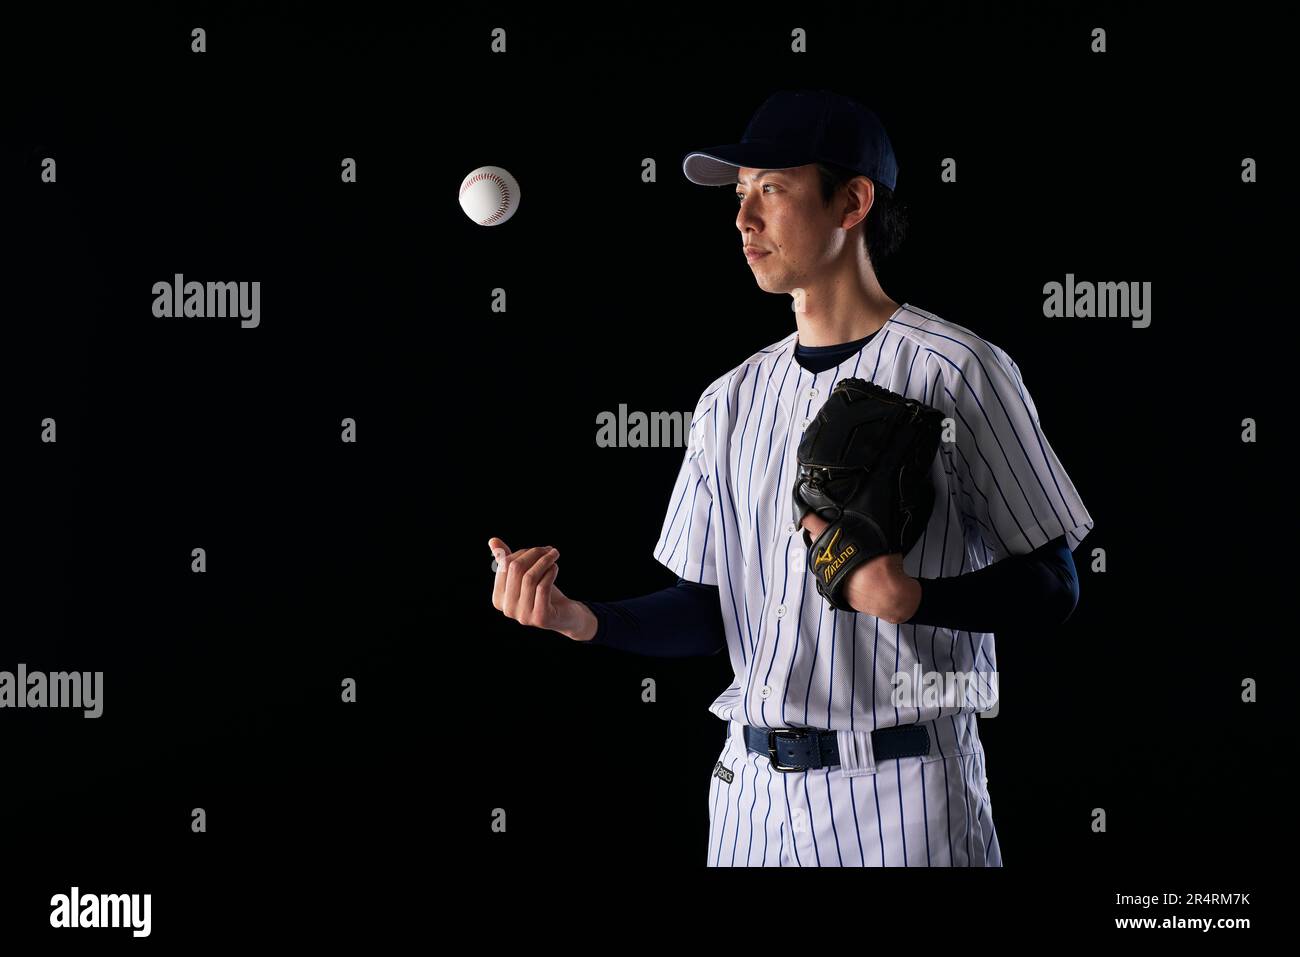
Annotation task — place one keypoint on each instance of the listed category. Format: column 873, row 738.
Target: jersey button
column 803, row 425
column 780, row 611
column 812, row 393
column 789, row 530
column 765, row 691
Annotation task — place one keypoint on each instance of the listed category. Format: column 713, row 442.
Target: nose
column 746, row 219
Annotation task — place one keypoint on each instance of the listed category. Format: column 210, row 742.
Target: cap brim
column 720, row 165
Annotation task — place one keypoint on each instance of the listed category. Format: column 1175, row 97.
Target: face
column 782, row 218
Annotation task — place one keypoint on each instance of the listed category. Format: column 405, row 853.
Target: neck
column 845, row 306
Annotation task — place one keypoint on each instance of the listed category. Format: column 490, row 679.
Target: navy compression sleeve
column 679, row 621
column 1037, row 589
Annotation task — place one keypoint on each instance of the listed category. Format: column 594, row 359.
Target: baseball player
column 861, row 506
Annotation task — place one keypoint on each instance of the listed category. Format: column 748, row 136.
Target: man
column 876, row 771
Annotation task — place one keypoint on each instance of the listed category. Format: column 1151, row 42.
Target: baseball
column 489, row 195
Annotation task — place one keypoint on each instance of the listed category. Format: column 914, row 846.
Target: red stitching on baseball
column 505, row 194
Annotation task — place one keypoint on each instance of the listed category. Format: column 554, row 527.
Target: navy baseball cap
column 797, row 127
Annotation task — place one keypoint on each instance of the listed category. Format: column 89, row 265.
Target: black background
column 370, row 560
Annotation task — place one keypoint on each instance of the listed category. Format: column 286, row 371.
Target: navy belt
column 803, row 749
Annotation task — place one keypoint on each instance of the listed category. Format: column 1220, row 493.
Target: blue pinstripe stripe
column 943, row 563
column 726, row 815
column 857, row 827
column 794, row 840
column 807, row 692
column 934, row 631
column 875, row 681
column 772, row 660
column 771, row 435
column 753, row 446
column 906, row 382
column 897, row 348
column 884, row 336
column 735, row 516
column 993, row 827
column 781, row 499
column 974, row 662
column 947, row 810
column 713, row 816
column 768, row 815
column 853, row 670
column 739, row 796
column 812, row 670
column 762, row 418
column 856, row 622
column 966, row 804
column 925, row 814
column 902, row 823
column 780, row 484
column 970, row 857
column 812, row 823
column 897, row 651
column 830, row 809
column 753, row 800
column 880, row 826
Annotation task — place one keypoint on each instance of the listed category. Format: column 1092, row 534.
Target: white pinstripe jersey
column 999, row 490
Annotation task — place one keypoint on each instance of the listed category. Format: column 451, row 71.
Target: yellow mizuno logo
column 825, row 556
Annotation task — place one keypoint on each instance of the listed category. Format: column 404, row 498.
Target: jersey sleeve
column 1015, row 495
column 687, row 540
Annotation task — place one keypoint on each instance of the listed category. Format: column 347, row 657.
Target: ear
column 860, row 196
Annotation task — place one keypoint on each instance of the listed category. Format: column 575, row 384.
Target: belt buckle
column 771, row 748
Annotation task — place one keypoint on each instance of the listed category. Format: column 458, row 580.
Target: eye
column 740, row 197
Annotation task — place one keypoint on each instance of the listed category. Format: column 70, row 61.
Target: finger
column 519, row 563
column 541, row 613
column 531, row 579
column 814, row 523
column 499, row 551
column 502, row 555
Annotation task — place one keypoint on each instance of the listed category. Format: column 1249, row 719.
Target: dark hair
column 886, row 222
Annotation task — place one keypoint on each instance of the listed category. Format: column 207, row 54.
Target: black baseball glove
column 864, row 467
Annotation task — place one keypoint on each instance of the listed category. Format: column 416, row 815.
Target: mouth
column 754, row 254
